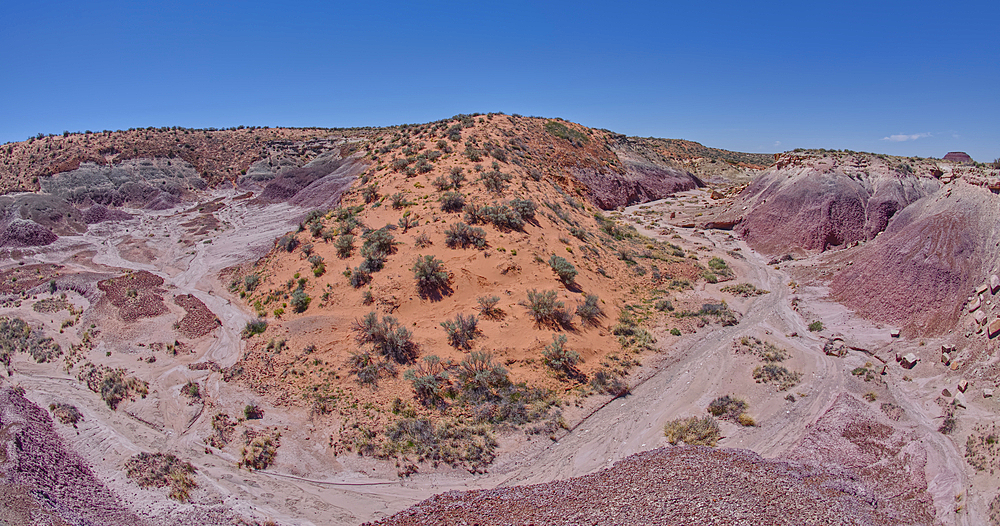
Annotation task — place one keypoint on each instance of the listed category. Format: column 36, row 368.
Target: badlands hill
column 326, row 326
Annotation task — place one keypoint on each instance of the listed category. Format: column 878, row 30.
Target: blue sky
column 907, row 78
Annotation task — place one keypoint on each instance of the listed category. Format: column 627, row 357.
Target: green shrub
column 191, row 390
column 545, row 308
column 359, row 277
column 488, row 306
column 609, row 382
column 693, row 431
column 461, row 331
column 480, row 378
column 252, row 412
column 452, row 202
column 590, row 310
column 816, row 326
column 398, row 201
column 464, row 236
column 370, row 193
column 344, row 245
column 408, row 221
column 558, row 357
column 564, row 269
column 777, row 375
column 525, row 208
column 430, row 274
column 251, row 281
column 664, row 305
column 431, row 380
column 564, row 132
column 66, row 413
column 456, row 177
column 745, row 290
column 494, row 181
column 288, row 242
column 254, row 327
column 259, row 452
column 441, row 183
column 386, row 336
column 675, row 331
column 300, row 300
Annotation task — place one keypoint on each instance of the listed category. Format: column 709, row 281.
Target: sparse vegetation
column 607, row 381
column 630, row 334
column 368, row 368
column 300, row 300
column 732, row 409
column 252, row 412
column 745, row 290
column 17, row 336
column 559, row 358
column 462, row 235
column 452, row 202
column 156, row 470
column 765, row 351
column 693, row 431
column 563, row 268
column 66, row 413
column 344, row 245
column 386, row 336
column 590, row 310
column 488, row 306
column 431, row 380
column 815, row 326
column 254, row 327
column 259, row 451
column 776, row 375
column 982, row 448
column 461, row 331
column 546, row 309
column 430, row 274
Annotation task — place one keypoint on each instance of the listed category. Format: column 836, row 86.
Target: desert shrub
column 709, row 277
column 156, row 470
column 191, row 390
column 546, row 308
column 564, row 269
column 254, row 327
column 422, row 241
column 609, row 382
column 664, row 305
column 776, row 375
column 589, row 311
column 288, row 242
column 766, row 351
column 816, row 326
column 745, row 290
column 430, row 274
column 473, row 154
column 113, row 389
column 675, row 331
column 452, row 202
column 456, row 177
column 718, row 264
column 344, row 245
column 423, row 166
column 17, row 336
column 494, row 181
column 368, row 368
column 378, row 245
column 728, row 407
column 982, row 448
column 501, row 216
column 430, row 380
column 499, row 154
column 359, row 277
column 251, row 281
column 558, row 357
column 398, row 200
column 259, row 452
column 400, row 163
column 480, row 378
column 222, row 430
column 66, row 413
column 488, row 306
column 693, row 431
column 630, row 334
column 316, row 229
column 252, row 412
column 408, row 221
column 299, row 300
column 386, row 336
column 565, row 132
column 370, row 193
column 464, row 236
column 524, row 207
column 315, row 260
column 307, row 249
column 461, row 331
column 441, row 183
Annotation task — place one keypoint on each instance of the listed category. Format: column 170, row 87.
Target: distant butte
column 960, row 157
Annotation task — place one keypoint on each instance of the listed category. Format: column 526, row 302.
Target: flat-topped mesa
column 958, row 157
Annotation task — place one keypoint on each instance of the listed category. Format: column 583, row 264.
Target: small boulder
column 946, row 393
column 994, row 284
column 975, row 304
column 954, row 366
column 948, row 348
column 960, row 401
column 982, row 288
column 994, row 329
column 987, row 393
column 909, row 360
column 945, row 358
column 963, row 384
column 980, row 317
column 894, row 333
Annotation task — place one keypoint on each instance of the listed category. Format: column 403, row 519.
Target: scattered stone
column 948, row 348
column 976, row 303
column 994, row 283
column 909, row 360
column 954, row 366
column 994, row 328
column 987, row 393
column 963, row 384
column 945, row 358
column 946, row 392
column 980, row 317
column 894, row 333
column 960, row 401
column 982, row 288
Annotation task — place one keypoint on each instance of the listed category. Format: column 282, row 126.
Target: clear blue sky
column 907, row 78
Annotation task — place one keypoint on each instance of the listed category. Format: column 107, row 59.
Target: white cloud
column 903, row 137
column 777, row 143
